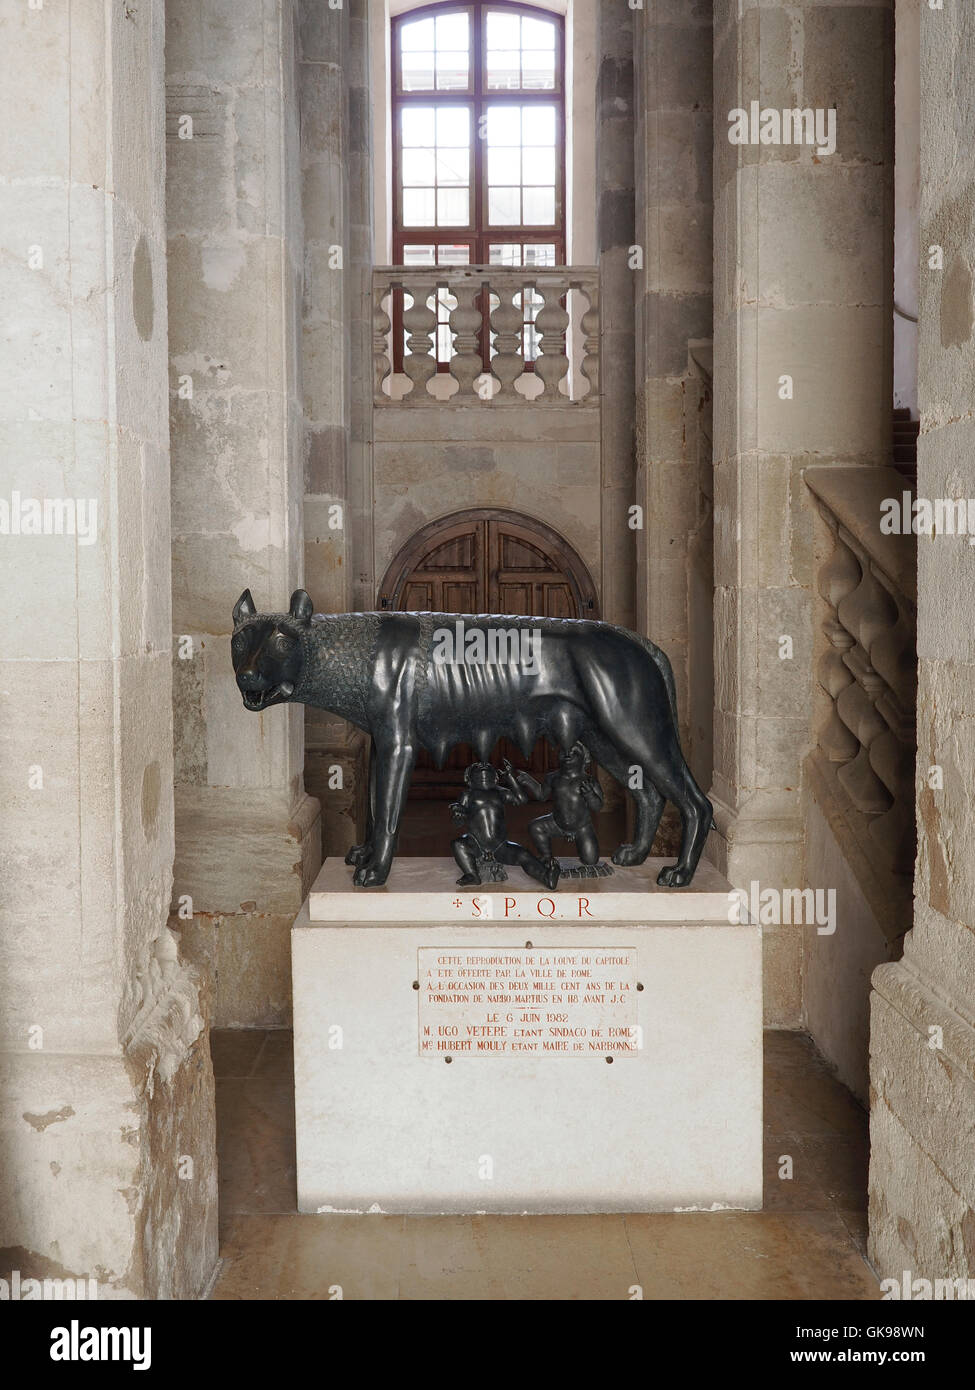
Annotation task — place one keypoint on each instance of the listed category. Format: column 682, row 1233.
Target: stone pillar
column 802, row 353
column 247, row 837
column 674, row 135
column 907, row 179
column 336, row 163
column 922, row 1040
column 106, row 1089
column 363, row 579
column 615, row 231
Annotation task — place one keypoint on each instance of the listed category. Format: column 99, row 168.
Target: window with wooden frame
column 478, row 116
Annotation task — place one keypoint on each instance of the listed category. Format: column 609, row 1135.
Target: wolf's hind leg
column 673, row 780
column 649, row 802
column 697, row 815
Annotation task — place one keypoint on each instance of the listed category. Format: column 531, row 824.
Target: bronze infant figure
column 484, row 846
column 575, row 798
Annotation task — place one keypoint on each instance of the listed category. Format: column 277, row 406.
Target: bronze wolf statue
column 435, row 680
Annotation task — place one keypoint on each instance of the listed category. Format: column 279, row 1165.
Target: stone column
column 802, row 354
column 336, row 164
column 106, row 1089
column 247, row 837
column 363, row 579
column 674, row 135
column 615, row 231
column 922, row 1040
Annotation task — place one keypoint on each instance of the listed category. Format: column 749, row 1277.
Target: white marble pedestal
column 502, row 1049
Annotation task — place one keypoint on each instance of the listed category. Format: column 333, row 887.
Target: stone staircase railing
column 867, row 668
column 460, row 335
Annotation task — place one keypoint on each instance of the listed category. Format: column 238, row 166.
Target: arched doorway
column 486, row 560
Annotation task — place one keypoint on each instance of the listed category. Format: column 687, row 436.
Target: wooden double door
column 487, row 561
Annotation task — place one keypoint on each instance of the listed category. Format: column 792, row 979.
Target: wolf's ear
column 244, row 608
column 301, row 606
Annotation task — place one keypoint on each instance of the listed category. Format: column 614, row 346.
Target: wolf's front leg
column 360, row 855
column 394, row 768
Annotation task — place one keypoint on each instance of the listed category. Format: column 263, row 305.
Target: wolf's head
column 267, row 650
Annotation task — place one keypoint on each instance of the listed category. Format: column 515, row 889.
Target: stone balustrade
column 463, row 334
column 867, row 668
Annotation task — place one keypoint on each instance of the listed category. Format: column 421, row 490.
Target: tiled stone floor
column 808, row 1242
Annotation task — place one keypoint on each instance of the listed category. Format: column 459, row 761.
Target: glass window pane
column 504, row 126
column 419, row 168
column 418, row 126
column 504, row 253
column 537, row 33
column 453, row 255
column 452, row 32
column 530, row 301
column 539, row 206
column 453, row 168
column 417, row 72
column 452, row 72
column 503, row 165
column 538, row 72
column 504, row 70
column 540, row 121
column 539, row 253
column 418, row 255
column 417, row 35
column 453, row 207
column 453, row 127
column 418, row 207
column 502, row 30
column 538, row 165
column 503, row 207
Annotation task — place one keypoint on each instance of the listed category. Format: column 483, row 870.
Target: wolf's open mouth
column 256, row 700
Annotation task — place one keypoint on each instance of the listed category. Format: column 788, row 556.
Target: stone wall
column 837, row 964
column 336, row 329
column 541, row 461
column 615, row 232
column 922, row 1042
column 907, row 192
column 247, row 838
column 672, row 281
column 106, row 1089
column 803, row 346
